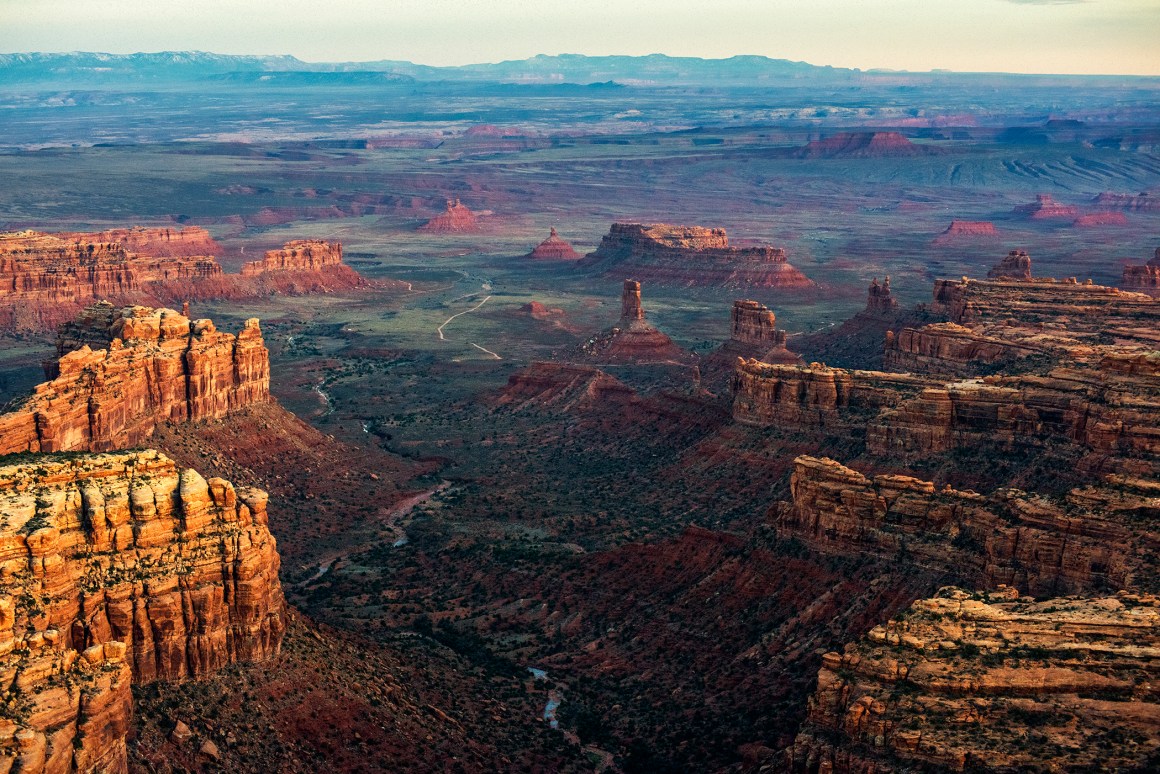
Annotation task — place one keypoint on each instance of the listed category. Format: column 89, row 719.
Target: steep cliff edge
column 692, row 256
column 46, row 279
column 967, row 682
column 1145, row 278
column 156, row 366
column 1094, row 538
column 118, row 567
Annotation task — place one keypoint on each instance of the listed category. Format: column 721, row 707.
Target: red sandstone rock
column 156, row 366
column 863, row 145
column 1096, row 219
column 1015, row 265
column 901, row 415
column 754, row 328
column 1046, row 207
column 554, row 249
column 692, row 256
column 971, row 228
column 950, row 348
column 1141, row 203
column 633, row 339
column 118, row 567
column 967, row 682
column 1077, row 543
column 456, row 218
column 563, row 388
column 46, row 279
column 1146, row 278
column 879, row 301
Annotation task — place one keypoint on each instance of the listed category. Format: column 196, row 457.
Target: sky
column 1043, row 36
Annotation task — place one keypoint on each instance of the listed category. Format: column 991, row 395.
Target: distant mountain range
column 652, row 70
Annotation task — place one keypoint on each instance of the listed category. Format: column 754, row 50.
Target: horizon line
column 860, row 70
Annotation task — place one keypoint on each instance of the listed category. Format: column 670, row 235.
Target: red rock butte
column 863, row 145
column 633, row 339
column 1097, row 219
column 153, row 366
column 554, row 249
column 1146, row 278
column 1045, row 207
column 754, row 327
column 455, row 218
column 963, row 230
column 1142, row 202
column 1015, row 265
column 46, row 279
column 692, row 256
column 879, row 300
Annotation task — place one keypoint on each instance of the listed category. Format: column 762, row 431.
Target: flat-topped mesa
column 455, row 218
column 1043, row 300
column 1015, row 265
column 692, row 256
column 991, row 681
column 554, row 248
column 1146, row 278
column 120, row 568
column 297, row 255
column 1084, row 541
column 968, row 229
column 863, row 145
column 1097, row 219
column 1045, row 207
column 879, row 301
column 46, row 278
column 173, row 242
column 157, row 366
column 1142, row 202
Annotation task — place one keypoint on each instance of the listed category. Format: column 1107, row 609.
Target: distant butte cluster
column 692, row 256
column 554, row 248
column 455, row 218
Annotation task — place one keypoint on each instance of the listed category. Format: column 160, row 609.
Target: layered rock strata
column 1146, row 278
column 1096, row 537
column 692, row 256
column 950, row 348
column 754, row 329
column 46, row 279
column 554, row 248
column 455, row 218
column 1015, row 265
column 863, row 145
column 156, row 366
column 965, row 230
column 558, row 387
column 1111, row 410
column 1097, row 219
column 633, row 340
column 1140, row 203
column 967, row 682
column 879, row 301
column 1045, row 207
column 118, row 568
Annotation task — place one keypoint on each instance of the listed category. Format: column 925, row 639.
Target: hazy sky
column 1056, row 36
